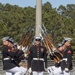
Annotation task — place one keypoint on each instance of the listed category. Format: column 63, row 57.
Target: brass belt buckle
column 38, row 58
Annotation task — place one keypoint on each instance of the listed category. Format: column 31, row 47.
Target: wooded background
column 59, row 22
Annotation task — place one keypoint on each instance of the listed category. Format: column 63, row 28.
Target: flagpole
column 38, row 17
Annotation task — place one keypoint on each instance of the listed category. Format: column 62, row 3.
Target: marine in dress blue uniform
column 66, row 64
column 8, row 59
column 56, row 69
column 37, row 59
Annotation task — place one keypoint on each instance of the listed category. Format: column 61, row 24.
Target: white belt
column 38, row 59
column 64, row 59
column 6, row 58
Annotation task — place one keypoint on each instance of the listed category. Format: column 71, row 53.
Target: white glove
column 18, row 47
column 30, row 70
column 25, row 55
column 53, row 49
column 66, row 69
column 23, row 48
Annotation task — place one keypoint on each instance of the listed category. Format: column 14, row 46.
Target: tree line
column 59, row 22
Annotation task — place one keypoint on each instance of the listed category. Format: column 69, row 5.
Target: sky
column 32, row 3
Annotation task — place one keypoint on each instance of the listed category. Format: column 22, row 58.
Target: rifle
column 49, row 44
column 24, row 38
column 25, row 41
column 28, row 40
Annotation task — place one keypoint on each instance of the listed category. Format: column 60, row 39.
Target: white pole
column 38, row 16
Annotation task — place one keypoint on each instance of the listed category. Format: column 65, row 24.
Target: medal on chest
column 42, row 50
